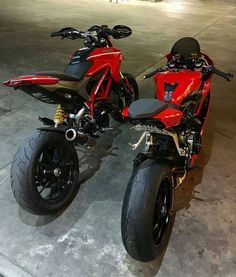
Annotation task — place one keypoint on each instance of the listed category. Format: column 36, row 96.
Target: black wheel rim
column 161, row 211
column 54, row 173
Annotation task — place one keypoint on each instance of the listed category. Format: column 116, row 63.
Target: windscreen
column 186, row 47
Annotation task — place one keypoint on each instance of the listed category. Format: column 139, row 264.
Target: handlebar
column 95, row 32
column 67, row 33
column 161, row 69
column 226, row 75
column 209, row 69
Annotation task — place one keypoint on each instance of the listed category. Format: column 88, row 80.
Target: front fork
column 125, row 84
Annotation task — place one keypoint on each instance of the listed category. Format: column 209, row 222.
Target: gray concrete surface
column 85, row 240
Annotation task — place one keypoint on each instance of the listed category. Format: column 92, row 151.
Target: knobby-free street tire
column 44, row 173
column 147, row 210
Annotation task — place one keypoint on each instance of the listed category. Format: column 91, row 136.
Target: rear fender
column 143, row 160
column 51, row 90
column 31, row 80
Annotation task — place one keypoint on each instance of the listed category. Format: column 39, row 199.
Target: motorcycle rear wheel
column 44, row 173
column 147, row 211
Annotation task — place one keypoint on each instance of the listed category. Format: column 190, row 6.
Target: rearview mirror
column 122, row 31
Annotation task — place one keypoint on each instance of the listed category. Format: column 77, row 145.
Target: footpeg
column 136, row 145
column 46, row 121
column 106, row 129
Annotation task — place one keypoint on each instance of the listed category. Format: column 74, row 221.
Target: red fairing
column 31, row 79
column 106, row 58
column 187, row 81
column 169, row 117
column 205, row 91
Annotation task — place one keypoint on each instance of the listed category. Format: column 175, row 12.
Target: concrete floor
column 85, row 240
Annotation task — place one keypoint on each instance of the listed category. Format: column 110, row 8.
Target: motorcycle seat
column 59, row 75
column 74, row 71
column 146, row 108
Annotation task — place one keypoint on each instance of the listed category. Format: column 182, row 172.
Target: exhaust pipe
column 73, row 135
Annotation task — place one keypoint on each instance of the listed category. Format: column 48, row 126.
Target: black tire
column 45, row 162
column 117, row 116
column 140, row 211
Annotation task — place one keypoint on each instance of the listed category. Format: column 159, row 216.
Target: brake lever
column 229, row 77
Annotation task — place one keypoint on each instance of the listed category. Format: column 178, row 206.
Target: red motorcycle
column 45, row 169
column 172, row 126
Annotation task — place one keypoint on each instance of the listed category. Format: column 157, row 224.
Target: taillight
column 31, row 79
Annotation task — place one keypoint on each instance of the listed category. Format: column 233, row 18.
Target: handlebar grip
column 228, row 76
column 66, row 32
column 153, row 73
column 56, row 34
column 149, row 74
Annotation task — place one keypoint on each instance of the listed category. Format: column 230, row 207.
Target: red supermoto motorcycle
column 45, row 169
column 172, row 127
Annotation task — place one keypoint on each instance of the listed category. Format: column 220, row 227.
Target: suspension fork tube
column 123, row 84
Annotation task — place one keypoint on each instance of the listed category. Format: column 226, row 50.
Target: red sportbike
column 172, row 127
column 45, row 169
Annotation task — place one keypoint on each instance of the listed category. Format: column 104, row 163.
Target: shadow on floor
column 90, row 162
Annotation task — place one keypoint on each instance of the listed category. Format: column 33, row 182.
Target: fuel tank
column 106, row 57
column 173, row 87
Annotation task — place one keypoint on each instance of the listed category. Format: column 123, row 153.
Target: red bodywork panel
column 106, row 58
column 108, row 61
column 125, row 112
column 187, row 81
column 169, row 117
column 31, row 79
column 205, row 91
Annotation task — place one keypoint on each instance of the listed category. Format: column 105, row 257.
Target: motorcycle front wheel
column 44, row 173
column 132, row 86
column 147, row 211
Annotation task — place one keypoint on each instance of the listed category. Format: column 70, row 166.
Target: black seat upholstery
column 78, row 69
column 145, row 108
column 74, row 71
column 59, row 75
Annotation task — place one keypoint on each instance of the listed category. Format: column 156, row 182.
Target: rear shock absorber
column 60, row 115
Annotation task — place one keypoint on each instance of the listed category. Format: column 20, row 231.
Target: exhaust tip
column 70, row 134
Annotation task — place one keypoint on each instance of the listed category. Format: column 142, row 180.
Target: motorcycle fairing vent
column 169, row 89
